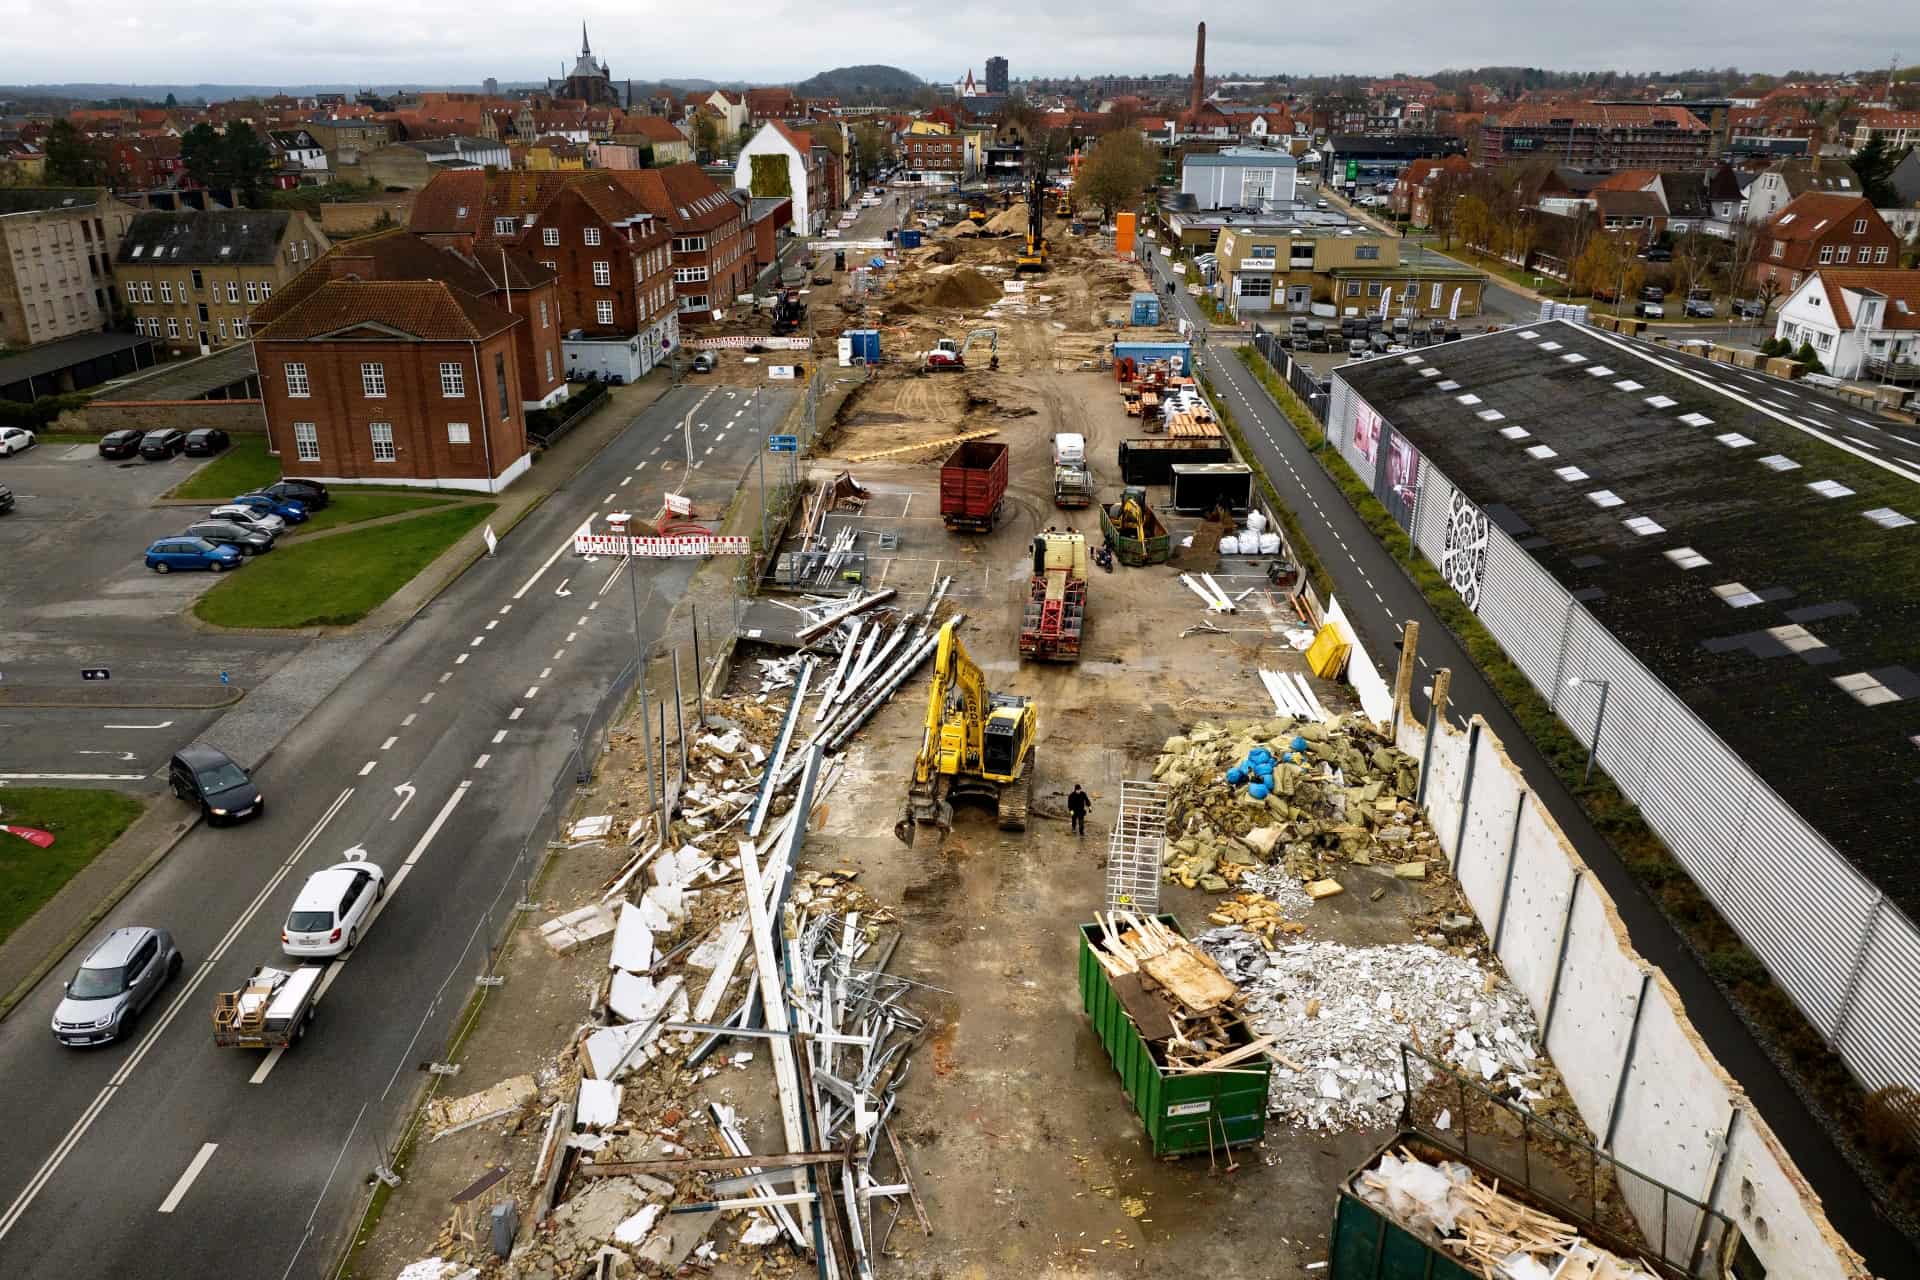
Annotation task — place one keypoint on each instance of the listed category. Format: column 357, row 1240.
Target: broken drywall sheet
column 599, row 1104
column 632, row 942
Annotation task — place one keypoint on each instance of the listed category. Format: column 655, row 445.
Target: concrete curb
column 98, row 912
column 234, row 694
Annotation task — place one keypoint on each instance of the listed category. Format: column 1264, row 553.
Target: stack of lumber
column 1176, row 994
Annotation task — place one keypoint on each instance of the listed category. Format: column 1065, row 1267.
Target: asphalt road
column 163, row 1156
column 1378, row 596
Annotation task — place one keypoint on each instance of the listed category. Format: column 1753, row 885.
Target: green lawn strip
column 246, row 465
column 83, row 823
column 338, row 580
column 1816, row 1072
column 349, row 507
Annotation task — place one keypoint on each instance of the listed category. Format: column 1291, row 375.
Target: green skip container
column 1184, row 1113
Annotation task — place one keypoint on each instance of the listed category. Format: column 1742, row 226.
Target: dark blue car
column 287, row 509
column 185, row 552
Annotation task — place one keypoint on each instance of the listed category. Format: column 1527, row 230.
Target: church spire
column 585, row 51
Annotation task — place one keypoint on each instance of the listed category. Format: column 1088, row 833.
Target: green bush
column 542, row 421
column 34, row 416
column 1807, row 356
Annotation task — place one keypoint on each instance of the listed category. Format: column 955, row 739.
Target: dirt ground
column 1025, row 1151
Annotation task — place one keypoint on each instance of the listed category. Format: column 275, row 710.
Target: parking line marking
column 481, row 763
column 411, row 717
column 198, row 1163
column 388, row 744
column 516, row 713
column 368, row 767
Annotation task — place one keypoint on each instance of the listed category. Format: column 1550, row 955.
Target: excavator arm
column 953, row 737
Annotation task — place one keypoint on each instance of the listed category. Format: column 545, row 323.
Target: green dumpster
column 1186, row 1112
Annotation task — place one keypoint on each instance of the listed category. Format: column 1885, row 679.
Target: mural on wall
column 1464, row 564
column 1396, row 489
column 1366, row 431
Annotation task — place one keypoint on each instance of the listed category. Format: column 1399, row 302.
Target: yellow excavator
column 978, row 748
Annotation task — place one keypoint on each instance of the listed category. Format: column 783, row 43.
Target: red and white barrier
column 608, row 544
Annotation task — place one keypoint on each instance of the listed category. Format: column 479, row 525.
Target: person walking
column 1078, row 802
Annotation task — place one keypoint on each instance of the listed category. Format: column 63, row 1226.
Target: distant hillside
column 853, row 83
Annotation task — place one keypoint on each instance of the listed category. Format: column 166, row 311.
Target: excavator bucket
column 921, row 808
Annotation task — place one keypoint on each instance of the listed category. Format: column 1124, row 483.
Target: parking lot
column 80, row 597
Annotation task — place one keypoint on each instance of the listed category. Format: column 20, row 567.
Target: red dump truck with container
column 973, row 486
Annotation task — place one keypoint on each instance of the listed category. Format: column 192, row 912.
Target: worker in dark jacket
column 1078, row 803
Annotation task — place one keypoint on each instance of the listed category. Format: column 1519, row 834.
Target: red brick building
column 712, row 247
column 1596, row 136
column 406, row 382
column 141, row 164
column 610, row 252
column 1821, row 229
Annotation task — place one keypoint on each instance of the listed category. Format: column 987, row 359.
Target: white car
column 248, row 518
column 332, row 909
column 13, row 440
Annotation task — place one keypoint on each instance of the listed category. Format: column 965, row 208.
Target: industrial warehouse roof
column 1752, row 542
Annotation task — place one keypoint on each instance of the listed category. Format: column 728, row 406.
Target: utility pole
column 640, row 659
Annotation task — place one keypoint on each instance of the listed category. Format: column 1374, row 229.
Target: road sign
column 783, row 444
column 94, row 673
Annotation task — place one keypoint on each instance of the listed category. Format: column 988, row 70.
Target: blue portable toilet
column 909, row 239
column 866, row 345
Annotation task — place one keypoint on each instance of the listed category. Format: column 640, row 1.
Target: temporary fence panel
column 1136, row 846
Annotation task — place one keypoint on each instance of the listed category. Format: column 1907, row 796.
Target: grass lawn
column 338, row 580
column 352, row 507
column 244, row 466
column 83, row 823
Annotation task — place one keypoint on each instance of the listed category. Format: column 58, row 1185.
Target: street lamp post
column 1600, row 713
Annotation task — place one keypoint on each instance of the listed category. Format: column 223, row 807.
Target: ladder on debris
column 1136, row 846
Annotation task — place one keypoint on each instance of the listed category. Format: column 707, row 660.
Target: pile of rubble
column 1339, row 792
column 1340, row 1014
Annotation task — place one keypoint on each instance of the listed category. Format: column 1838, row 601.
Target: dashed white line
column 444, row 677
column 516, row 713
column 499, row 737
column 533, row 691
column 625, row 481
column 459, row 661
column 559, row 654
column 492, row 623
column 475, row 642
column 571, row 635
column 388, row 744
column 583, row 621
column 368, row 767
column 505, row 609
column 411, row 717
column 545, row 672
column 425, row 698
column 593, row 606
column 642, row 464
column 194, row 1167
column 481, row 763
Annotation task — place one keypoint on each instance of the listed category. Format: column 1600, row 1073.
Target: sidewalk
column 267, row 715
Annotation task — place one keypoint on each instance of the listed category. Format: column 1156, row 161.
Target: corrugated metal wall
column 1849, row 960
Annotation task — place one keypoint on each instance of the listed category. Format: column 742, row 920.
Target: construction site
column 857, row 992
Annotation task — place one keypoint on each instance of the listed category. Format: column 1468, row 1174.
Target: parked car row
column 15, row 440
column 246, row 526
column 163, row 443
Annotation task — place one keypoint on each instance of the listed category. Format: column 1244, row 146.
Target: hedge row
column 37, row 415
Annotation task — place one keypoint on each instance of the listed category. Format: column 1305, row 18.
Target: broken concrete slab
column 637, row 999
column 565, row 933
column 599, row 1104
column 632, row 942
column 449, row 1115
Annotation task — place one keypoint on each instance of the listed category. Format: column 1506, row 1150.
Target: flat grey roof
column 1751, row 541
column 51, row 357
column 184, row 379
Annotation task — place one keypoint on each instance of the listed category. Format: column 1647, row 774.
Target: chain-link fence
column 1618, row 1207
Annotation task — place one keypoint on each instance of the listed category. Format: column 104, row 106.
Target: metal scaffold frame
column 1136, row 846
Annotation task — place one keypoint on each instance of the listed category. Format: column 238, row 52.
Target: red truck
column 1056, row 608
column 973, row 486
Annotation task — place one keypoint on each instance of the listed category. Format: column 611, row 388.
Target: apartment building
column 191, row 279
column 1288, row 271
column 1602, row 136
column 56, row 261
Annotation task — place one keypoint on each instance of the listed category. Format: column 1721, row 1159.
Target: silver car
column 119, row 979
column 247, row 518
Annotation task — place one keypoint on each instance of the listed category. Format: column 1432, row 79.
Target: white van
column 1069, row 449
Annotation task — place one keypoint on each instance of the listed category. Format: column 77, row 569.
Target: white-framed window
column 297, row 384
column 550, row 236
column 382, row 433
column 453, row 380
column 146, row 293
column 1434, row 301
column 689, row 275
column 306, row 442
column 173, row 331
column 266, row 291
column 253, row 291
column 1859, row 226
column 233, row 290
column 602, row 274
column 166, row 291
column 592, row 235
column 373, row 381
column 457, row 433
column 1779, row 247
column 549, row 264
column 1826, row 254
column 222, row 328
column 1373, row 288
column 1844, row 252
column 694, row 302
column 603, row 311
column 506, row 226
column 1879, row 255
column 689, row 244
column 133, row 292
column 545, row 323
column 239, row 327
column 549, row 364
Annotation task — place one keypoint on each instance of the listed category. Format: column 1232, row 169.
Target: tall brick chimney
column 1199, row 68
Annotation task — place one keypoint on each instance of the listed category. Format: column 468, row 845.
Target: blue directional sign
column 783, row 444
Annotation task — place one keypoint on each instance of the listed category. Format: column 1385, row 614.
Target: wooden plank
column 1189, row 979
column 1148, row 1010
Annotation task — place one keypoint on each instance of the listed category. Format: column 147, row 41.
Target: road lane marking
column 533, row 691
column 559, row 654
column 583, row 620
column 456, row 662
column 425, row 698
column 481, row 763
column 499, row 737
column 38, row 1183
column 388, row 744
column 558, row 551
column 612, row 577
column 545, row 672
column 411, row 717
column 570, row 636
column 162, row 725
column 475, row 642
column 444, row 677
column 656, row 449
column 198, row 1163
column 492, row 623
column 367, row 768
column 505, row 609
column 594, row 605
column 72, row 777
column 516, row 713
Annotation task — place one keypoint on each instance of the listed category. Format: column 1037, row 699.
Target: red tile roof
column 681, row 195
column 1541, row 115
column 653, row 128
column 450, row 204
column 429, row 310
column 1809, row 216
column 1897, row 287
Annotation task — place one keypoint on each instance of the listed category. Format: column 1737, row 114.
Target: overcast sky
column 444, row 42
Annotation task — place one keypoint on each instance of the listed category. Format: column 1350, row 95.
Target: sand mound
column 1010, row 220
column 942, row 253
column 963, row 289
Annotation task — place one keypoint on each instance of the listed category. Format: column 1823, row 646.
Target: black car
column 1701, row 307
column 209, row 778
column 1653, row 293
column 156, row 446
column 310, row 494
column 6, row 499
column 223, row 533
column 205, row 442
column 120, row 444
